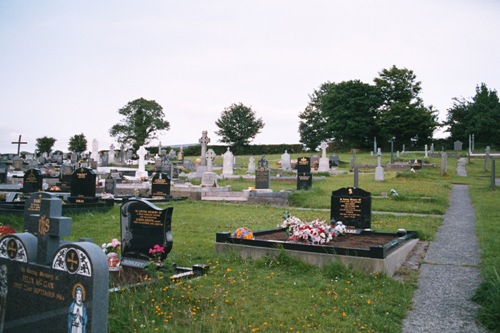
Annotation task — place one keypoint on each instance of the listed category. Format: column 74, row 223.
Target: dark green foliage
column 238, row 125
column 143, row 120
column 45, row 144
column 77, row 143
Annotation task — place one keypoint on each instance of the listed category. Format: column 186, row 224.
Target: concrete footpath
column 449, row 274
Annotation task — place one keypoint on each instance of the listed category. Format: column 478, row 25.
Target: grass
column 283, row 294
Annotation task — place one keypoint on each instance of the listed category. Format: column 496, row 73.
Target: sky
column 67, row 67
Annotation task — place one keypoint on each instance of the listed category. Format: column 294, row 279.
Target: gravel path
column 449, row 274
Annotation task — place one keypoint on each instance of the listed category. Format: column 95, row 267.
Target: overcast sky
column 66, row 67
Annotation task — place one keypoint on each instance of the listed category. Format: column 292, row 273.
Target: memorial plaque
column 160, row 185
column 143, row 225
column 262, row 178
column 416, row 164
column 352, row 206
column 32, row 181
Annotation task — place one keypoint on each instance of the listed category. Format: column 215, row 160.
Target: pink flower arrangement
column 156, row 251
column 114, row 246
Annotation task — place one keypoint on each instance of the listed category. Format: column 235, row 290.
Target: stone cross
column 19, row 143
column 204, row 141
column 48, row 226
column 323, row 147
column 209, row 157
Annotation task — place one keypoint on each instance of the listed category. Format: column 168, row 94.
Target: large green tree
column 478, row 116
column 403, row 115
column 238, row 125
column 143, row 121
column 77, row 143
column 45, row 144
column 344, row 112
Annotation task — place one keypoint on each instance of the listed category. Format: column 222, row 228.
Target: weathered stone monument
column 251, row 165
column 48, row 285
column 204, row 141
column 286, row 162
column 324, row 163
column 209, row 160
column 228, row 161
column 379, row 170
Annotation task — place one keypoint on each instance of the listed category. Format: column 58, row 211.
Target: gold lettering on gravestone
column 31, row 178
column 160, row 181
column 148, row 217
column 43, row 225
column 39, row 283
column 349, row 207
column 35, row 205
column 81, row 175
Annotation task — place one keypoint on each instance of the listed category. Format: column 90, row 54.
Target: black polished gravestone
column 160, row 186
column 143, row 225
column 352, row 206
column 83, row 186
column 66, row 175
column 304, row 177
column 47, row 285
column 4, row 168
column 110, row 185
column 32, row 181
column 262, row 174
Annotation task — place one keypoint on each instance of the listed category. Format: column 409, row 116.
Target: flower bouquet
column 157, row 251
column 316, row 232
column 111, row 250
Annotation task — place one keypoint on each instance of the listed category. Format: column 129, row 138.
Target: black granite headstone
column 110, row 185
column 32, row 181
column 304, row 177
column 3, row 172
column 83, row 186
column 262, row 178
column 143, row 225
column 160, row 185
column 334, row 161
column 303, row 164
column 352, row 206
column 47, row 285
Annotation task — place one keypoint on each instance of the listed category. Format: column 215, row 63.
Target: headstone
column 432, row 148
column 228, row 160
column 204, row 141
column 141, row 169
column 160, row 186
column 4, row 168
column 334, row 161
column 457, row 145
column 209, row 179
column 352, row 206
column 426, row 152
column 379, row 170
column 83, row 186
column 416, row 164
column 17, row 163
column 263, row 174
column 110, row 185
column 95, row 150
column 314, row 160
column 304, row 176
column 49, row 285
column 180, row 156
column 143, row 225
column 324, row 164
column 286, row 162
column 105, row 159
column 209, row 160
column 32, row 181
column 111, row 154
column 486, row 157
column 444, row 164
column 66, row 174
column 251, row 165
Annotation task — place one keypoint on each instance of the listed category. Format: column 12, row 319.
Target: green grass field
column 282, row 294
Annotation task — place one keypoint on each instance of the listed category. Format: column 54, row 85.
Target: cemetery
column 173, row 230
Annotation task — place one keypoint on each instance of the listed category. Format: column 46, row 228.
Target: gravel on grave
column 363, row 241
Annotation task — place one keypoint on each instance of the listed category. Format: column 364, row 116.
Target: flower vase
column 113, row 261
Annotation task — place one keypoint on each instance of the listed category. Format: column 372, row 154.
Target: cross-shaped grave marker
column 19, row 143
column 210, row 156
column 48, row 226
column 204, row 141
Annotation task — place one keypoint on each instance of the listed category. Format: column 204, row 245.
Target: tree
column 45, row 144
column 344, row 112
column 476, row 117
column 238, row 125
column 143, row 121
column 403, row 115
column 77, row 143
